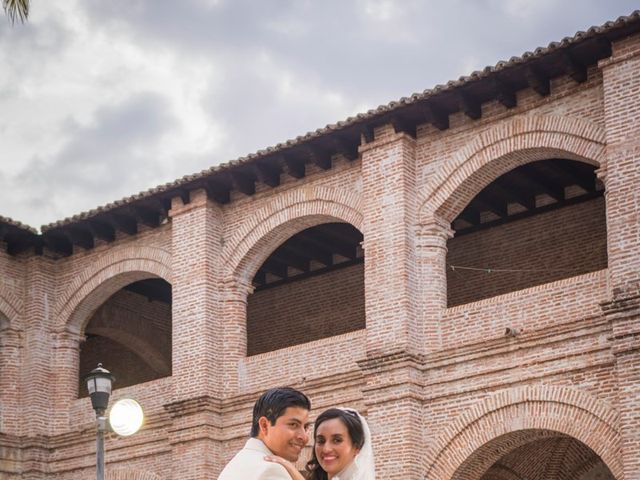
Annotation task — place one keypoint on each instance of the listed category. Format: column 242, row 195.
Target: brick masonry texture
column 419, row 348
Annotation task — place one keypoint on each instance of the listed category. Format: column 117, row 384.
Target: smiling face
column 288, row 436
column 334, row 448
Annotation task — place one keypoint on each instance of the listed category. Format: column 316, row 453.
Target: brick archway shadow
column 282, row 218
column 500, row 149
column 544, row 409
column 94, row 285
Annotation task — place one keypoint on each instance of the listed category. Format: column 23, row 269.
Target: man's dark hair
column 274, row 402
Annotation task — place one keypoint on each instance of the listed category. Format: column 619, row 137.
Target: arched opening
column 538, row 223
column 130, row 334
column 310, row 287
column 534, row 455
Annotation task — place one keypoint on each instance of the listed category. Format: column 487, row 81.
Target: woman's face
column 334, row 448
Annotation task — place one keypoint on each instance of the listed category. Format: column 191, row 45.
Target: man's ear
column 264, row 424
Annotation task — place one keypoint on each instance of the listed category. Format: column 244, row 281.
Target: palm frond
column 16, row 10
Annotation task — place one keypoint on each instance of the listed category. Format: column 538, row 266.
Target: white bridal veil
column 363, row 467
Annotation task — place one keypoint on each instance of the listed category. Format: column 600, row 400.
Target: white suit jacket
column 249, row 464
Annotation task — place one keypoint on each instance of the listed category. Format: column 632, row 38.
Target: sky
column 101, row 99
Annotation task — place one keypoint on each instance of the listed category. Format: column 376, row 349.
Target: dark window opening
column 130, row 334
column 538, row 223
column 310, row 287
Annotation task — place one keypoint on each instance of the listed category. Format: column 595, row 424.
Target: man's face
column 289, row 435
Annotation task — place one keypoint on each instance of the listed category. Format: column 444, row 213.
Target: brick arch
column 282, row 218
column 113, row 271
column 502, row 148
column 514, row 417
column 10, row 307
column 130, row 474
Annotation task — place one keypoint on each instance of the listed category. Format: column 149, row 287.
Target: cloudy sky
column 100, row 99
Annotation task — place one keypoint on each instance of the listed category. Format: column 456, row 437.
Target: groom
column 279, row 427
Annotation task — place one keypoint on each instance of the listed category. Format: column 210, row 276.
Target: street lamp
column 125, row 418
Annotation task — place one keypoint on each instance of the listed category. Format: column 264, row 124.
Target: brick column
column 38, row 367
column 624, row 315
column 66, row 361
column 431, row 252
column 388, row 176
column 621, row 84
column 394, row 335
column 197, row 336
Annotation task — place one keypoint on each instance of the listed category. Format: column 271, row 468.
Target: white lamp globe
column 126, row 417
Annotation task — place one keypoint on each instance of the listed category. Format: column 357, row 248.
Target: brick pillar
column 621, row 84
column 38, row 367
column 624, row 315
column 394, row 336
column 66, row 362
column 197, row 346
column 388, row 176
column 431, row 252
column 233, row 308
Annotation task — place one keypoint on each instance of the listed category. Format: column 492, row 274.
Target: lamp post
column 126, row 416
column 99, row 382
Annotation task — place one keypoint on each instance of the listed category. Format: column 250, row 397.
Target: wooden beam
column 295, row 167
column 82, row 237
column 102, row 230
column 538, row 80
column 125, row 223
column 146, row 216
column 275, row 267
column 244, row 182
column 267, row 174
column 578, row 175
column 469, row 105
column 470, row 215
column 293, row 260
column 366, row 134
column 58, row 243
column 402, row 125
column 318, row 156
column 575, row 69
column 541, row 183
column 520, row 196
column 504, row 93
column 310, row 250
column 438, row 117
column 347, row 149
column 218, row 191
column 343, row 249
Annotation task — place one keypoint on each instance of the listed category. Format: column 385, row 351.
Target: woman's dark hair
column 354, row 427
column 273, row 403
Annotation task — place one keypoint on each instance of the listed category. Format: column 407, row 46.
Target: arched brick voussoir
column 94, row 285
column 283, row 217
column 564, row 410
column 502, row 148
column 11, row 306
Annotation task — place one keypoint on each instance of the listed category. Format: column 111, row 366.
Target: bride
column 342, row 449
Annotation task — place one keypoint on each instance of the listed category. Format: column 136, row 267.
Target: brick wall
column 305, row 310
column 544, row 248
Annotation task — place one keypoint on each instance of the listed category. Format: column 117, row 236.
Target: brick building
column 462, row 265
